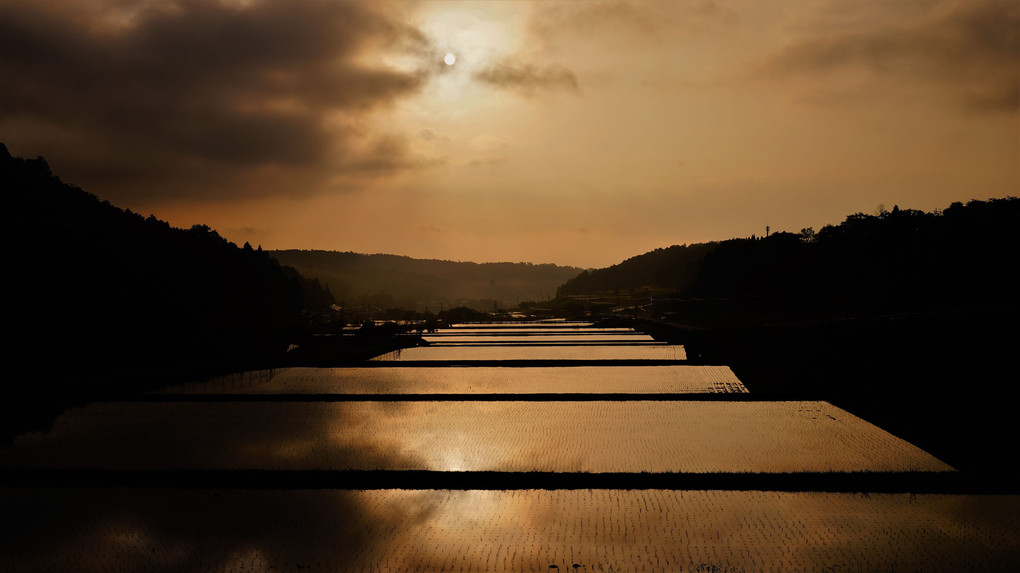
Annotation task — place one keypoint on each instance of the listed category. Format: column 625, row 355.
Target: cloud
column 655, row 43
column 643, row 23
column 387, row 154
column 528, row 79
column 430, row 229
column 968, row 51
column 149, row 89
column 430, row 135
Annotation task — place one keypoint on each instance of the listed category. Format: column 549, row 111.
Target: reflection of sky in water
column 508, row 352
column 165, row 530
column 494, row 380
column 599, row 436
column 168, row 530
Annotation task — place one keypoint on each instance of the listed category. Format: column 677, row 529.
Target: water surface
column 681, row 379
column 537, row 338
column 525, row 352
column 172, row 530
column 598, row 436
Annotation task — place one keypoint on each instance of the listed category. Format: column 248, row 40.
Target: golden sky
column 578, row 132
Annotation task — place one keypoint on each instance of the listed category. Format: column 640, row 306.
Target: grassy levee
column 937, row 380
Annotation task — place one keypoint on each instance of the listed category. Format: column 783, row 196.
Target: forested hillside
column 100, row 293
column 899, row 260
column 388, row 281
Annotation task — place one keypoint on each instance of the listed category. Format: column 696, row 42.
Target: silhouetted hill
column 387, row 281
column 100, row 293
column 904, row 318
column 898, row 261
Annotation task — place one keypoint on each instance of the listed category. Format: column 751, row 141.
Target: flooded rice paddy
column 683, row 379
column 178, row 530
column 588, row 436
column 575, row 352
column 546, row 416
column 513, row 339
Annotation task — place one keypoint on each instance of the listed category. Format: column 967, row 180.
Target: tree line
column 394, row 281
column 903, row 259
column 101, row 292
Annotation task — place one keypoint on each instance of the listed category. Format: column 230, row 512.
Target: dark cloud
column 387, row 154
column 969, row 51
column 528, row 78
column 197, row 85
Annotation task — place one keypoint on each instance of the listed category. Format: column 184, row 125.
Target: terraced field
column 541, row 326
column 548, row 339
column 533, row 328
column 683, row 379
column 253, row 473
column 591, row 352
column 589, row 436
column 507, row 531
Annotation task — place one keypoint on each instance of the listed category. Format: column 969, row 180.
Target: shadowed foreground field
column 604, row 464
column 168, row 530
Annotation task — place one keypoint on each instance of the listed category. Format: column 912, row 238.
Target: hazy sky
column 577, row 132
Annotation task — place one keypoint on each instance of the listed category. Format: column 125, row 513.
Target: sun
column 450, row 59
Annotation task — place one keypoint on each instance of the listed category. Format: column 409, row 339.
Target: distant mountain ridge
column 387, row 281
